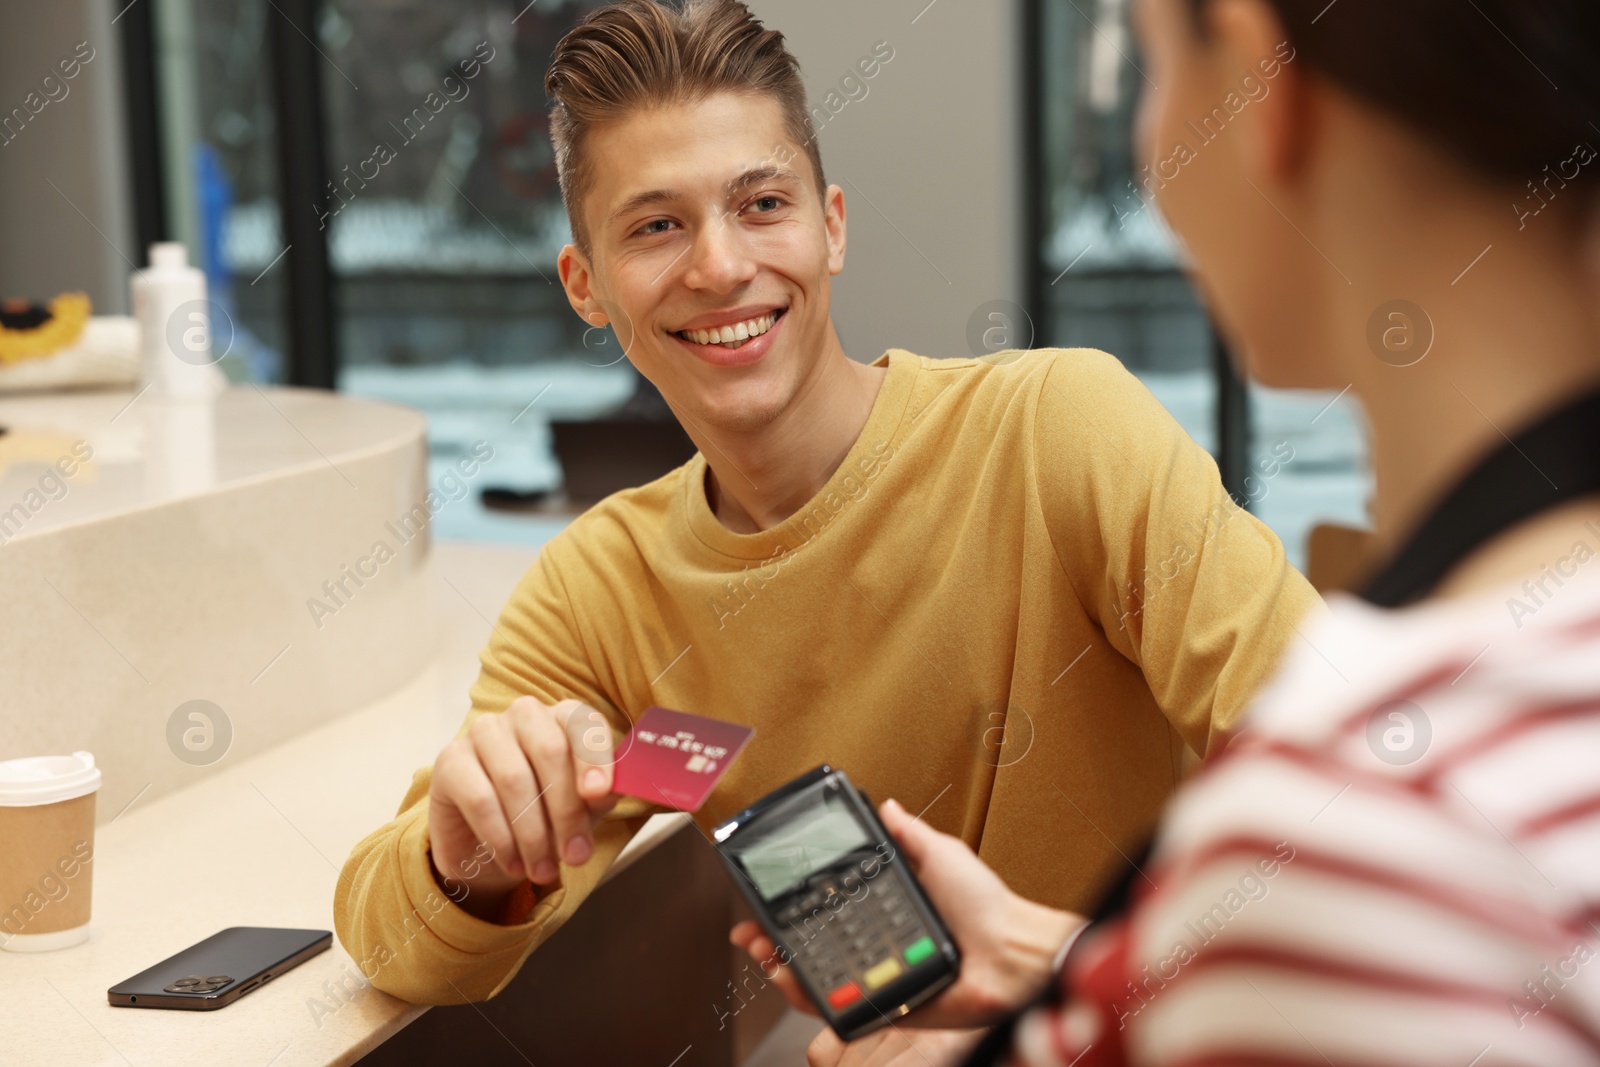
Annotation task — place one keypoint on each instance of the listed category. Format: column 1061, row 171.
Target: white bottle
column 175, row 327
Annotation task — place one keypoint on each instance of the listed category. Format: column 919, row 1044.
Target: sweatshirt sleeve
column 406, row 935
column 1184, row 582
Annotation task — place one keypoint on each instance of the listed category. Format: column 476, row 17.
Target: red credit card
column 676, row 759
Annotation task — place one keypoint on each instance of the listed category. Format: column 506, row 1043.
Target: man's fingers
column 511, row 782
column 589, row 738
column 473, row 795
column 516, row 790
column 545, row 743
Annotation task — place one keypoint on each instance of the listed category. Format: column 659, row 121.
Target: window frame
column 1232, row 405
column 311, row 349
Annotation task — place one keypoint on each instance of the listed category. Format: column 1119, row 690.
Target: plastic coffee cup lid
column 47, row 779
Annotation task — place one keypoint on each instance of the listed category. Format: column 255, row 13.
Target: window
column 1109, row 275
column 218, row 167
column 436, row 221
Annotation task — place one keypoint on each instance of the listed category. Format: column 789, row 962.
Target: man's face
column 706, row 217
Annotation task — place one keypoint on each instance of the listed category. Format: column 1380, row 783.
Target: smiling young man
column 1011, row 591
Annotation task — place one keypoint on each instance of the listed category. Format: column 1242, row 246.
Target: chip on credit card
column 676, row 759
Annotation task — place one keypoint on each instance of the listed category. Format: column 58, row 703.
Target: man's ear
column 833, row 220
column 1278, row 127
column 577, row 278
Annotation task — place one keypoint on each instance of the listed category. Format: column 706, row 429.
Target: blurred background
column 370, row 189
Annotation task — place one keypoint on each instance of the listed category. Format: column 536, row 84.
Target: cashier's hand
column 515, row 794
column 892, row 1047
column 1007, row 943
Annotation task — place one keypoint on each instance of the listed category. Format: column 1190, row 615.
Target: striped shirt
column 1397, row 862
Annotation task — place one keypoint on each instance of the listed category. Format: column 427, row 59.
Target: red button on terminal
column 848, row 993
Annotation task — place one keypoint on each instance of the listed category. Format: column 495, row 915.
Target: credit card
column 676, row 759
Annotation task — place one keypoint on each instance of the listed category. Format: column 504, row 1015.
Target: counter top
column 238, row 555
column 260, row 843
column 144, row 451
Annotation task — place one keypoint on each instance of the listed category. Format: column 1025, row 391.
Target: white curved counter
column 155, row 554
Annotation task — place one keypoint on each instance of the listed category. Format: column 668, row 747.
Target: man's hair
column 639, row 53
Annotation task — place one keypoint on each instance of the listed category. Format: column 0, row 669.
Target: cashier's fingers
column 749, row 936
column 894, row 1047
column 825, row 1050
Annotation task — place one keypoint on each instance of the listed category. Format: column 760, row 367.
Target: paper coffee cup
column 47, row 838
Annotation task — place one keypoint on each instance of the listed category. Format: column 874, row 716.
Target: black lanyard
column 1552, row 461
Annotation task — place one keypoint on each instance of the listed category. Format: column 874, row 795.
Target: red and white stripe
column 1444, row 912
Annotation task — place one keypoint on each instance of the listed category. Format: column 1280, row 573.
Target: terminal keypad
column 852, row 936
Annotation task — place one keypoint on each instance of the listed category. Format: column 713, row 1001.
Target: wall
column 64, row 211
column 930, row 161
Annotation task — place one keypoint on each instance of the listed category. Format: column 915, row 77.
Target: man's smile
column 731, row 338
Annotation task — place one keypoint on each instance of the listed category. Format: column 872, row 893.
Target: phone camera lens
column 195, row 983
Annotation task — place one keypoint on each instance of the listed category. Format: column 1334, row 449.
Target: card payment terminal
column 829, row 885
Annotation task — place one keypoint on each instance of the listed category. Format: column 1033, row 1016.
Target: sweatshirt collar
column 882, row 425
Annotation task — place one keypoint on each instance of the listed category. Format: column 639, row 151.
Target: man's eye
column 655, row 226
column 767, row 203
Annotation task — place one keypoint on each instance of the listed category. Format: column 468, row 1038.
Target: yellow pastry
column 28, row 331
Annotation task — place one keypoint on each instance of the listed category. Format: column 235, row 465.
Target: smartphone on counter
column 214, row 973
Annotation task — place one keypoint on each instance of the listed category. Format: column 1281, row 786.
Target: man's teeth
column 730, row 336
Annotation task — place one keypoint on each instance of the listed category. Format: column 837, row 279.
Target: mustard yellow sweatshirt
column 1018, row 601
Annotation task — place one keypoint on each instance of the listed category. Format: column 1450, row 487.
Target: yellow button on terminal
column 883, row 973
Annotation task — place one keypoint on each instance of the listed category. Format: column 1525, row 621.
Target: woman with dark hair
column 1398, row 860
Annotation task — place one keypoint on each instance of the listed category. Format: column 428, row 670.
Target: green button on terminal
column 918, row 951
